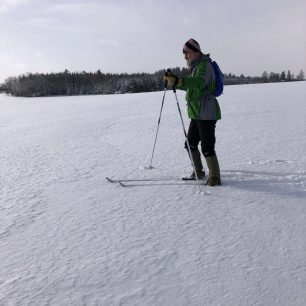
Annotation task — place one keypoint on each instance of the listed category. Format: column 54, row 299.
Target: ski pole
column 158, row 124
column 186, row 138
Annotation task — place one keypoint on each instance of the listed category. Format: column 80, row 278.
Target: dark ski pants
column 202, row 131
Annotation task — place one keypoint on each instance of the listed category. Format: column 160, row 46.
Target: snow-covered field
column 69, row 237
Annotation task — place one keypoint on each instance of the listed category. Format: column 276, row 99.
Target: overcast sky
column 144, row 35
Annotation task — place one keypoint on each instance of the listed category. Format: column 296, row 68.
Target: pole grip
column 165, row 84
column 169, row 73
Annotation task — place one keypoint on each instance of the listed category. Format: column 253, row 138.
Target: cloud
column 69, row 8
column 107, row 42
column 133, row 35
column 15, row 66
column 38, row 54
column 6, row 5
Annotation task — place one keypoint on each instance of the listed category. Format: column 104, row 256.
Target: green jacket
column 201, row 103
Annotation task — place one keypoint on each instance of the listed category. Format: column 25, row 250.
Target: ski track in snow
column 69, row 237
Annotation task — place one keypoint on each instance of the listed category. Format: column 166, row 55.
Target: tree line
column 91, row 83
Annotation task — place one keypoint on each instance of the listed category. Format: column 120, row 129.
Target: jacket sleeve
column 197, row 81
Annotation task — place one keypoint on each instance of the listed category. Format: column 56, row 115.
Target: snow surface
column 69, row 237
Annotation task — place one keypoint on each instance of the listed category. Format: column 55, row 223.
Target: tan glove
column 172, row 80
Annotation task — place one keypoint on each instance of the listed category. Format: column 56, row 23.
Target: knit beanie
column 191, row 46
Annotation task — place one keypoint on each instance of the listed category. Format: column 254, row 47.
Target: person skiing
column 203, row 110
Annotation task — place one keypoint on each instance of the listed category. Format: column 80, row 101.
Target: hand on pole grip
column 165, row 83
column 171, row 79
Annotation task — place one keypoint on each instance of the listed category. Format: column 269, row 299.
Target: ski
column 142, row 180
column 158, row 183
column 150, row 182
